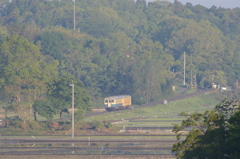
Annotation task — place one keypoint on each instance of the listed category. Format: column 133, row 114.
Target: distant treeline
column 118, row 47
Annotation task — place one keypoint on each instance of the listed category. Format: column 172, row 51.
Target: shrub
column 16, row 124
column 84, row 125
column 66, row 126
column 79, row 115
column 107, row 124
column 14, row 118
column 97, row 125
column 25, row 125
column 44, row 125
column 53, row 125
column 35, row 125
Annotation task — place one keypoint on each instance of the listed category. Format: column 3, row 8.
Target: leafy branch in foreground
column 211, row 134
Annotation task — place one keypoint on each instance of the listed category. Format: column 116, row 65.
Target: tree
column 24, row 72
column 60, row 94
column 148, row 76
column 3, row 33
column 44, row 108
column 210, row 133
column 150, row 69
column 99, row 22
column 141, row 4
column 54, row 43
column 234, row 135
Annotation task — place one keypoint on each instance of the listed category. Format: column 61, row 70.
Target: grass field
column 168, row 111
column 162, row 115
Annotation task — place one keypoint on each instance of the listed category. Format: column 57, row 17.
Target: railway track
column 76, row 140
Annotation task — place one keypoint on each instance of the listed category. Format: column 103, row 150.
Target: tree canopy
column 24, row 72
column 118, row 47
column 212, row 134
column 60, row 94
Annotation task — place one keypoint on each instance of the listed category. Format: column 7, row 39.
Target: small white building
column 214, row 86
column 223, row 88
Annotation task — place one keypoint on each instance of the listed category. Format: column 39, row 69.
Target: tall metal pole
column 74, row 16
column 191, row 79
column 72, row 85
column 184, row 63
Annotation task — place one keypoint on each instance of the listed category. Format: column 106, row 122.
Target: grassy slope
column 159, row 115
column 162, row 112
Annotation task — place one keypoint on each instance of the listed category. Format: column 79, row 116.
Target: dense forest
column 118, row 47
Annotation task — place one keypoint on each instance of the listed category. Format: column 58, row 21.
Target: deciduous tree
column 24, row 72
column 210, row 133
column 60, row 94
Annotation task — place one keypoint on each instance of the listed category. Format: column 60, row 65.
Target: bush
column 97, row 125
column 25, row 125
column 53, row 125
column 84, row 125
column 16, row 124
column 44, row 125
column 66, row 126
column 35, row 125
column 107, row 124
column 78, row 115
column 14, row 118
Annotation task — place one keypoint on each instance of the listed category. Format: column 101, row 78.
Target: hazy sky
column 210, row 3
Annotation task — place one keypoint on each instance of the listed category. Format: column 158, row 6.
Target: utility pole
column 74, row 16
column 191, row 79
column 184, row 63
column 72, row 85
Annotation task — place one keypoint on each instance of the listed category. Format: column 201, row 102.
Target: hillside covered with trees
column 118, row 47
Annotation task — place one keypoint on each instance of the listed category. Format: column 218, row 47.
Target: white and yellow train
column 117, row 102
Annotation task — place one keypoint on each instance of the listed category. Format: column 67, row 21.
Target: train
column 117, row 102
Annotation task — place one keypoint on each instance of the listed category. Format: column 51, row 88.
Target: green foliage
column 24, row 72
column 78, row 115
column 60, row 94
column 35, row 125
column 172, row 109
column 211, row 133
column 31, row 125
column 53, row 44
column 16, row 124
column 45, row 108
column 120, row 46
column 96, row 125
column 3, row 33
column 100, row 22
column 53, row 125
column 66, row 126
column 234, row 129
column 107, row 124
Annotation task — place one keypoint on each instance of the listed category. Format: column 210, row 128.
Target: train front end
column 108, row 103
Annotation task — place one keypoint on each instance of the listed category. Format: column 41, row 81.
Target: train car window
column 106, row 101
column 112, row 101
